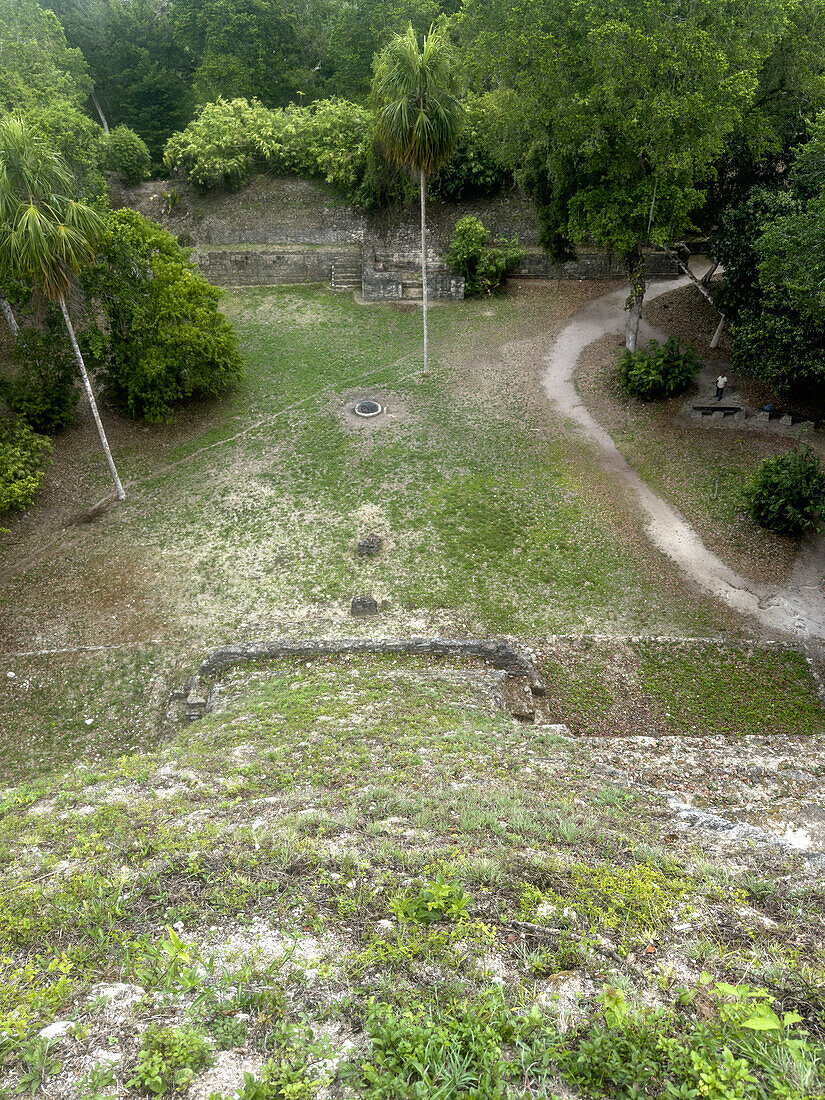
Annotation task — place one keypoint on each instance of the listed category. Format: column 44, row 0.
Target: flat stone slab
column 363, row 606
column 726, row 410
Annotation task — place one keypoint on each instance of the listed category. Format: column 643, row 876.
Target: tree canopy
column 47, row 84
column 627, row 105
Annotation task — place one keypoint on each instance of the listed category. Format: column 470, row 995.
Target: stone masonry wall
column 269, row 265
column 289, row 230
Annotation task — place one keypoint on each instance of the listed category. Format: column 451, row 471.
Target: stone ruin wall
column 289, row 230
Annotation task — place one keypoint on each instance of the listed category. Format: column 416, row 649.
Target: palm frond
column 419, row 116
column 46, row 235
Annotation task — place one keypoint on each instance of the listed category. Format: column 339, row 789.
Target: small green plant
column 219, row 1016
column 436, row 900
column 169, row 965
column 169, row 1058
column 660, row 370
column 453, row 1051
column 170, row 201
column 39, row 1065
column 791, row 1062
column 614, row 1005
column 482, row 264
column 98, row 1084
column 787, row 493
column 629, row 900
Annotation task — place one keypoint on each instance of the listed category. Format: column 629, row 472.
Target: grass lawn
column 243, row 517
column 647, row 688
column 700, row 469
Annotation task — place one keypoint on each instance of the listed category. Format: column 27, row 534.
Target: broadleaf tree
column 627, row 105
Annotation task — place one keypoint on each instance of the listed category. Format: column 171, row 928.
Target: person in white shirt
column 721, row 382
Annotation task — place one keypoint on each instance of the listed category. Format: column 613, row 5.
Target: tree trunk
column 119, row 493
column 99, row 110
column 701, row 287
column 11, row 320
column 635, row 267
column 424, row 258
column 711, row 271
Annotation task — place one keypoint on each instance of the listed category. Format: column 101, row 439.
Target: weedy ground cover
column 373, row 882
column 243, row 517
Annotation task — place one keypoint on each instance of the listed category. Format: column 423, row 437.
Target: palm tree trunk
column 424, row 257
column 11, row 320
column 119, row 493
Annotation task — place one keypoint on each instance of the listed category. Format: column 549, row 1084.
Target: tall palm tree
column 46, row 236
column 419, row 116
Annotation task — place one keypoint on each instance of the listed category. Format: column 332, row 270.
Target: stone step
column 346, row 275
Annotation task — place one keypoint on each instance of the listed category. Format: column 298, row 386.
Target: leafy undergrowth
column 381, row 886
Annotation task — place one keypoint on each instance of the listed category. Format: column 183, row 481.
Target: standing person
column 721, row 382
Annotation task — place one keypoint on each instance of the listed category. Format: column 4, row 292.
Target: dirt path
column 797, row 609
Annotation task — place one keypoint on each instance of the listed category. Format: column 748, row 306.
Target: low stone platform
column 522, row 681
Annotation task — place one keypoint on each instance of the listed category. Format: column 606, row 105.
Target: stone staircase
column 346, row 274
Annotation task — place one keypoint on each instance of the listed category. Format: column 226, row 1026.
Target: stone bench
column 716, row 408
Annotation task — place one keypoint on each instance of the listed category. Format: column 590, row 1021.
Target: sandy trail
column 798, row 609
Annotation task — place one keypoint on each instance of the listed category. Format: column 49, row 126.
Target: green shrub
column 483, row 265
column 456, row 1050
column 660, row 370
column 169, row 1058
column 231, row 139
column 225, row 142
column 22, row 459
column 787, row 493
column 128, row 155
column 165, row 339
column 44, row 390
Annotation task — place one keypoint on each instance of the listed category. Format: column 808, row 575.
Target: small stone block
column 369, row 546
column 518, row 698
column 786, row 420
column 363, row 606
column 762, row 415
